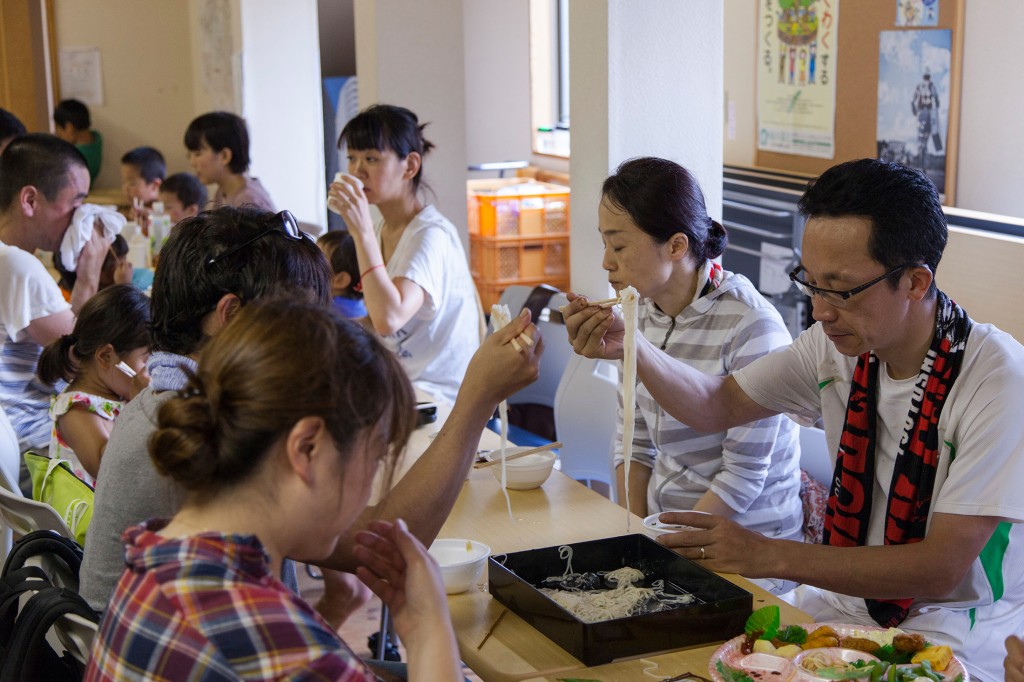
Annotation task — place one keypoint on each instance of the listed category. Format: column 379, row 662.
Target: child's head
column 142, row 171
column 183, row 196
column 218, row 144
column 112, row 327
column 387, row 128
column 117, row 252
column 71, row 117
column 10, row 128
column 340, row 249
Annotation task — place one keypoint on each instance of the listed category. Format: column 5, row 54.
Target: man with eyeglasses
column 920, row 410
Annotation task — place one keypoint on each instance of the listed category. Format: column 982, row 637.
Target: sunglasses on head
column 284, row 222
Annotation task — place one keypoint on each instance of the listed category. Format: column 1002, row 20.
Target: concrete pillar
column 410, row 53
column 280, row 102
column 646, row 80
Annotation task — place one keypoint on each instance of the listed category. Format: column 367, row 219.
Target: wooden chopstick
column 605, row 302
column 490, row 632
column 531, row 451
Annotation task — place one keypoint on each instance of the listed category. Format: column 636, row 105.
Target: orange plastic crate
column 490, row 292
column 497, row 259
column 517, row 207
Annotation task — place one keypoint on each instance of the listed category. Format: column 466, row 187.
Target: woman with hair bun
column 658, row 238
column 276, row 441
column 413, row 270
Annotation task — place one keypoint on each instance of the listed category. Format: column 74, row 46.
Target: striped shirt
column 208, row 608
column 27, row 293
column 753, row 468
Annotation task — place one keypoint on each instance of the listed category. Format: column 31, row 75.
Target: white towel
column 80, row 231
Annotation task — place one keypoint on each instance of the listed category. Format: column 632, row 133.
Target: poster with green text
column 796, row 76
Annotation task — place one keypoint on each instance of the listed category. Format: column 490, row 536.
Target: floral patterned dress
column 62, row 403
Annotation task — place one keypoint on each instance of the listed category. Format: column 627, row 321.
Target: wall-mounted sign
column 796, row 76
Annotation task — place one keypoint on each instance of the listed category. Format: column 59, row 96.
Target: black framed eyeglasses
column 284, row 222
column 836, row 298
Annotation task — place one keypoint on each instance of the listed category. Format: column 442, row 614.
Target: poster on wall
column 913, row 99
column 81, row 75
column 796, row 76
column 917, row 12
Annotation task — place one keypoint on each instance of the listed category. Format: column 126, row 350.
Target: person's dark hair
column 662, row 198
column 148, row 160
column 279, row 361
column 341, row 254
column 187, row 188
column 74, row 112
column 185, row 288
column 117, row 251
column 221, row 130
column 118, row 315
column 10, row 126
column 385, row 126
column 907, row 222
column 40, row 160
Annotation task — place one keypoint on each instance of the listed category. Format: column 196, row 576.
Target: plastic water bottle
column 159, row 227
column 138, row 246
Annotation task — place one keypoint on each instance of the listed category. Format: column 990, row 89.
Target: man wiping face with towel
column 43, row 181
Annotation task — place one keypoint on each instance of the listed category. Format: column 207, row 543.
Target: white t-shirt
column 27, row 293
column 980, row 473
column 436, row 344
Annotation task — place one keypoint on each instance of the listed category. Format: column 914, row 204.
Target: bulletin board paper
column 81, row 75
column 798, row 43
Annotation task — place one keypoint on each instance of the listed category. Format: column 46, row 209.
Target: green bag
column 54, row 483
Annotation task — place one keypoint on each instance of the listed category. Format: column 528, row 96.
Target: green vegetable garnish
column 766, row 619
column 730, row 674
column 792, row 634
column 890, row 655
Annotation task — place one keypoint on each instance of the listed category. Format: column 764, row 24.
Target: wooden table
column 561, row 511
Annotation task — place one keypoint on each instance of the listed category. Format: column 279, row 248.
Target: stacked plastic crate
column 518, row 234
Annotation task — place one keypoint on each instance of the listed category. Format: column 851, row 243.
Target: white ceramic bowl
column 461, row 561
column 652, row 523
column 524, row 473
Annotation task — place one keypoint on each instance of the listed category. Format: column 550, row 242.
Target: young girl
column 276, row 441
column 218, row 150
column 108, row 347
column 414, row 274
column 340, row 249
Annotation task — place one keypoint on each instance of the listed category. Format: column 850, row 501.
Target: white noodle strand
column 628, row 298
column 500, row 316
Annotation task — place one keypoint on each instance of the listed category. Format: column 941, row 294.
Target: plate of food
column 829, row 651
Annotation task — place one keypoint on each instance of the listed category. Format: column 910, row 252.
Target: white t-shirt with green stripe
column 980, row 473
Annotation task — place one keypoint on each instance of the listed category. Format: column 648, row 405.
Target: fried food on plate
column 860, row 644
column 908, row 643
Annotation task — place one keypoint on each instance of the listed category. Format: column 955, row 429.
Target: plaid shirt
column 208, row 608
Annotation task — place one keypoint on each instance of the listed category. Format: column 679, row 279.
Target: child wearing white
column 108, row 347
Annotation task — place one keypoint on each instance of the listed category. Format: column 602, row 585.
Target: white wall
column 991, row 172
column 410, row 53
column 281, row 103
column 497, row 39
column 147, row 84
column 663, row 100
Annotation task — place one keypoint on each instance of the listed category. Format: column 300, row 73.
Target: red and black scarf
column 910, row 493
